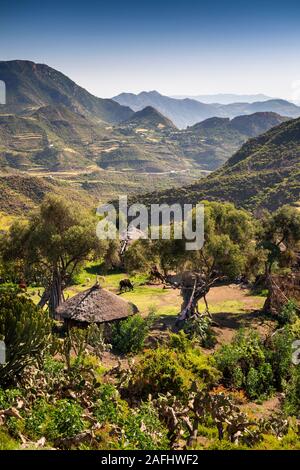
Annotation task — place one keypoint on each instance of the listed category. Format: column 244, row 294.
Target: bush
column 244, row 365
column 128, row 336
column 25, row 329
column 172, row 369
column 288, row 313
column 199, row 328
column 279, row 354
column 8, row 397
column 64, row 419
column 144, row 431
column 110, row 407
column 292, row 400
column 141, row 428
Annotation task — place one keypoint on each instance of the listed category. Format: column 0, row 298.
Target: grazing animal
column 125, row 285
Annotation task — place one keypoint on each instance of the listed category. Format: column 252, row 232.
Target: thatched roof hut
column 95, row 305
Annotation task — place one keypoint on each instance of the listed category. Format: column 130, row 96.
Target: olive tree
column 52, row 245
column 280, row 237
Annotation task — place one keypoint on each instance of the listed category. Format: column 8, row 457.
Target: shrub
column 128, row 336
column 140, row 427
column 59, row 420
column 8, row 397
column 26, row 331
column 288, row 314
column 292, row 400
column 244, row 365
column 172, row 369
column 110, row 407
column 144, row 431
column 199, row 328
column 279, row 355
column 66, row 420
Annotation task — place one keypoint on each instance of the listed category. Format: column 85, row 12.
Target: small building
column 94, row 305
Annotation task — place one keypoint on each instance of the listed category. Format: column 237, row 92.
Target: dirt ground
column 232, row 308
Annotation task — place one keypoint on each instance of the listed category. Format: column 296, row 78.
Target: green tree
column 280, row 237
column 55, row 241
column 229, row 242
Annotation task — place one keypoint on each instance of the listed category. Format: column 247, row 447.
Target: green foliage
column 64, row 419
column 229, row 235
column 144, row 431
column 128, row 336
column 279, row 354
column 139, row 257
column 288, row 314
column 52, row 245
column 141, row 427
column 6, row 441
column 282, row 228
column 199, row 329
column 292, row 399
column 26, row 331
column 172, row 369
column 8, row 397
column 244, row 365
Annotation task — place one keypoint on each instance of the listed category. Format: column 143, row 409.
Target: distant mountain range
column 55, row 136
column 51, row 124
column 264, row 173
column 226, row 98
column 186, row 112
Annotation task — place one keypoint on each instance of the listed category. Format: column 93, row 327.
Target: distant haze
column 226, row 98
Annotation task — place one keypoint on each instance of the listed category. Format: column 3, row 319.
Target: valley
column 149, row 232
column 56, row 135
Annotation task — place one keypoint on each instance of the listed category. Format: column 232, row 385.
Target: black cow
column 125, row 285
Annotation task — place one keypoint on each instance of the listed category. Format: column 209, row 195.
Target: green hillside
column 265, row 172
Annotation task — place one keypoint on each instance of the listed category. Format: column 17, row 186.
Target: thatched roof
column 95, row 305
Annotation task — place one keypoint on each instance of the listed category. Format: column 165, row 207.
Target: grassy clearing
column 234, row 306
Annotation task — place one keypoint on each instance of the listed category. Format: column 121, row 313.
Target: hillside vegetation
column 265, row 172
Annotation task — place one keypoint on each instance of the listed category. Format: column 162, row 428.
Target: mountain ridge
column 187, row 112
column 30, row 84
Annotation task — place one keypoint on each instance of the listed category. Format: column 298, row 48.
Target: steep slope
column 33, row 85
column 211, row 142
column 265, row 172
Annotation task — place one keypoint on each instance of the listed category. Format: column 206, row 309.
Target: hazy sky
column 187, row 47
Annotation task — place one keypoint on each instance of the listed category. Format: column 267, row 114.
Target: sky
column 176, row 47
